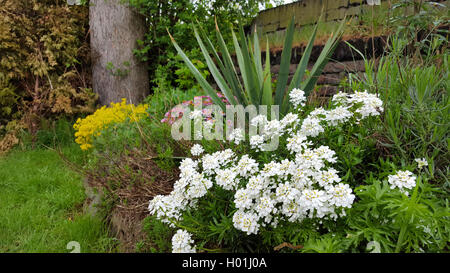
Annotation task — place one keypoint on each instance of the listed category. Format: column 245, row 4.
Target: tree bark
column 116, row 72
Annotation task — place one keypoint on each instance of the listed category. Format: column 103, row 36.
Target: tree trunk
column 116, row 72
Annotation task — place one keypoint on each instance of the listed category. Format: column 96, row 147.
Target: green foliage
column 256, row 86
column 8, row 99
column 45, row 59
column 413, row 82
column 175, row 17
column 328, row 243
column 185, row 79
column 148, row 131
column 399, row 223
column 52, row 134
column 419, row 21
column 41, row 205
column 416, row 97
column 159, row 236
column 355, row 149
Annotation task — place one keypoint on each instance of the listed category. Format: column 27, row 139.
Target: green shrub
column 213, row 218
column 158, row 236
column 44, row 72
column 399, row 223
column 255, row 88
column 176, row 17
column 416, row 121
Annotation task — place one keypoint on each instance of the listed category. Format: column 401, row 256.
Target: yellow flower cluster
column 92, row 125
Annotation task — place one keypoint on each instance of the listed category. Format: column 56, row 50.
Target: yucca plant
column 255, row 84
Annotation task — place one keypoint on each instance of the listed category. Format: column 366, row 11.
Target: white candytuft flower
column 237, row 136
column 256, row 142
column 297, row 97
column 256, row 184
column 208, row 125
column 421, row 162
column 341, row 98
column 181, row 242
column 247, row 222
column 196, row 114
column 286, row 193
column 309, row 159
column 273, row 188
column 341, row 195
column 259, row 120
column 210, row 163
column 198, row 187
column 273, row 128
column 311, row 127
column 328, row 177
column 314, row 201
column 338, row 115
column 265, row 206
column 227, row 179
column 288, row 120
column 243, row 198
column 197, row 150
column 318, row 113
column 402, row 180
column 246, row 166
column 371, row 104
column 297, row 143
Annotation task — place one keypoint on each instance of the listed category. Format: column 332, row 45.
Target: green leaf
column 202, row 81
column 229, row 69
column 215, row 72
column 267, row 85
column 302, row 65
column 257, row 58
column 250, row 73
column 323, row 59
column 283, row 74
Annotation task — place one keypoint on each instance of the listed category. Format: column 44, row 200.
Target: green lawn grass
column 41, row 205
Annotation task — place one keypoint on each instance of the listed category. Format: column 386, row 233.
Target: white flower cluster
column 421, row 162
column 370, row 104
column 237, row 136
column 359, row 105
column 291, row 190
column 303, row 185
column 197, row 150
column 181, row 242
column 297, row 97
column 403, row 180
column 191, row 186
column 271, row 129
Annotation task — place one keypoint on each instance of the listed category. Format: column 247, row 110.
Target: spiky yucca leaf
column 254, row 85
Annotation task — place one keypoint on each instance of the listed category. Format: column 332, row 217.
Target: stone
column 354, row 11
column 351, row 66
column 335, row 4
column 332, row 79
column 327, row 91
column 93, row 198
column 336, row 14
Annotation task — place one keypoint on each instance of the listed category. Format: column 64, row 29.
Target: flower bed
column 263, row 194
